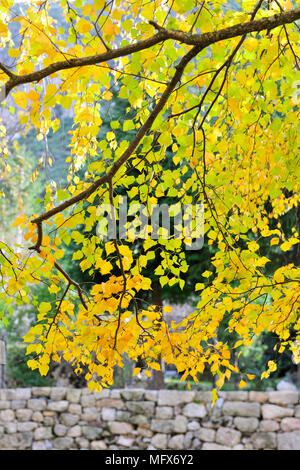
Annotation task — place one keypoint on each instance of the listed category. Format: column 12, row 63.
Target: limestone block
column 164, row 412
column 151, row 395
column 240, row 408
column 258, row 397
column 180, row 424
column 264, row 440
column 92, row 433
column 60, row 405
column 141, row 407
column 289, row 441
column 98, row 445
column 37, row 392
column 125, row 441
column 108, row 414
column 43, row 433
column 15, row 394
column 37, row 416
column 58, row 393
column 133, row 394
column 228, row 437
column 287, row 397
column 74, row 431
column 73, row 395
column 176, row 442
column 111, row 403
column 174, row 397
column 194, row 410
column 205, row 397
column 144, row 431
column 159, row 441
column 4, row 404
column 247, row 425
column 90, row 414
column 119, row 427
column 82, row 443
column 7, row 415
column 26, row 426
column 267, row 425
column 63, row 443
column 88, row 401
column 75, row 409
column 10, row 427
column 290, row 424
column 20, row 440
column 193, row 426
column 162, row 426
column 138, row 419
column 15, row 404
column 113, row 393
column 275, row 411
column 37, row 404
column 104, row 393
column 238, row 395
column 69, row 419
column 60, row 430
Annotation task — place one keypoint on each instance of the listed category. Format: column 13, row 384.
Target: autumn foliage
column 212, row 119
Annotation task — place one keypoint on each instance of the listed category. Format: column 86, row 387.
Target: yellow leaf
column 83, row 26
column 33, row 95
column 44, row 368
column 46, row 240
column 206, row 274
column 105, row 267
column 168, row 309
column 109, row 28
column 3, row 28
column 214, row 394
column 253, row 246
column 19, row 220
column 32, row 364
column 285, row 246
column 154, row 366
column 21, row 99
column 199, row 286
column 251, row 44
column 45, row 307
column 110, row 247
column 242, row 384
column 136, row 370
column 51, row 89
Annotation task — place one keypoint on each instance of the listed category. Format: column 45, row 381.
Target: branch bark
column 200, row 40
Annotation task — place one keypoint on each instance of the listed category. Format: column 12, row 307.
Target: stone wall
column 61, row 418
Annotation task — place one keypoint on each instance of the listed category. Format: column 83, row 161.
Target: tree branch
column 199, row 40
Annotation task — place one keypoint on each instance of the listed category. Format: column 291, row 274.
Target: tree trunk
column 157, row 375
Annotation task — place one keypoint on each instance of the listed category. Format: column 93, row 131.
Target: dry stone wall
column 62, row 418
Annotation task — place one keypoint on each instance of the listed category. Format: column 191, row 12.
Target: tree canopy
column 211, row 120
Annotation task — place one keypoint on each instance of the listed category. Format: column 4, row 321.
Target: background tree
column 228, row 114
